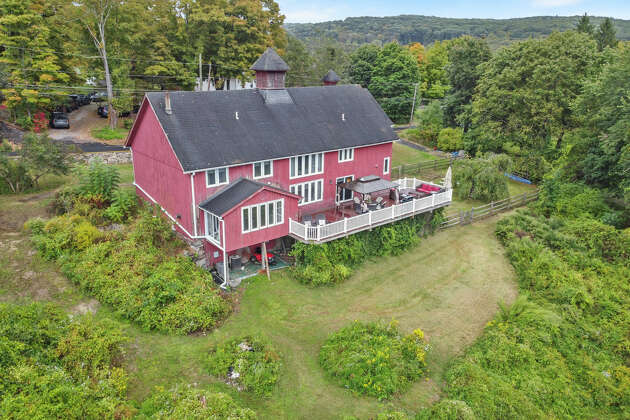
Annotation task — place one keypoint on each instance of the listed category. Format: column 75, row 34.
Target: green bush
column 124, row 206
column 133, row 271
column 481, row 178
column 450, row 139
column 332, row 262
column 98, row 182
column 250, row 361
column 374, row 359
column 36, row 382
column 183, row 403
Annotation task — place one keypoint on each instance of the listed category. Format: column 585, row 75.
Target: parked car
column 98, row 96
column 102, row 111
column 59, row 120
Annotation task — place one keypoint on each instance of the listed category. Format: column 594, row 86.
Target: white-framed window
column 263, row 169
column 310, row 191
column 217, row 176
column 346, row 155
column 306, row 165
column 263, row 215
column 344, row 194
column 212, row 226
column 386, row 166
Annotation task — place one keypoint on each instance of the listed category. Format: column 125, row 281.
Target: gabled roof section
column 270, row 61
column 224, row 128
column 234, row 194
column 331, row 77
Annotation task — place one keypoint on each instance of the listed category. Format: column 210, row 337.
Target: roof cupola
column 270, row 70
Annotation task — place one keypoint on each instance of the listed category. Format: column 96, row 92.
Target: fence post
column 461, row 217
column 524, row 198
column 491, row 208
column 472, row 214
column 345, row 225
column 432, row 200
column 370, row 218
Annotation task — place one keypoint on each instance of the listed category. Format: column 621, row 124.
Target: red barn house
column 244, row 167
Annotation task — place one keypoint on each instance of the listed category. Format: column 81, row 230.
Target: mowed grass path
column 448, row 286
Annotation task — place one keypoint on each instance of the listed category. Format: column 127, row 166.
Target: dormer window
column 346, row 155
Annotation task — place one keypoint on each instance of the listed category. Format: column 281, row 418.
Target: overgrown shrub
column 450, row 139
column 250, row 361
column 481, row 178
column 183, row 403
column 37, row 380
column 332, row 262
column 124, row 206
column 133, row 271
column 98, row 182
column 373, row 358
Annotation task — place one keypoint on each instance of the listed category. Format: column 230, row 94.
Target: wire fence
column 465, row 217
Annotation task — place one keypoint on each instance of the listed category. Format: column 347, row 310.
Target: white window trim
column 262, row 162
column 312, row 173
column 342, row 201
column 341, row 152
column 227, row 176
column 206, row 220
column 388, row 160
column 294, row 187
column 257, row 206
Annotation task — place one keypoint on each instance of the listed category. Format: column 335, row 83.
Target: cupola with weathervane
column 270, row 70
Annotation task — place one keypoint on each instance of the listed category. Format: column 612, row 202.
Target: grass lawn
column 404, row 155
column 106, row 133
column 448, row 286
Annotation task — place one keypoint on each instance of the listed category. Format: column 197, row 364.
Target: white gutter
column 194, row 206
column 225, row 266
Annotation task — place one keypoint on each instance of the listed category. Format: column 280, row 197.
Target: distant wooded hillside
column 427, row 29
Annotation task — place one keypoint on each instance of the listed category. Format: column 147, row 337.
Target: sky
column 324, row 10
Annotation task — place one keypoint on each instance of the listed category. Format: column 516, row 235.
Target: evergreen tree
column 585, row 26
column 606, row 34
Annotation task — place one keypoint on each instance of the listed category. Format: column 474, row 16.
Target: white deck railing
column 378, row 217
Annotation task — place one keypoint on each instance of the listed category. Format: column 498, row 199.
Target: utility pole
column 200, row 75
column 209, row 74
column 413, row 104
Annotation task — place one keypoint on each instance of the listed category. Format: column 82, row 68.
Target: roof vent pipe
column 167, row 104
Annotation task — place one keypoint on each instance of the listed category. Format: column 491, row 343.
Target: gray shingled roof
column 230, row 196
column 270, row 61
column 205, row 133
column 331, row 77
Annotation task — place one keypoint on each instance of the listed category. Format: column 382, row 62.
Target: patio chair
column 379, row 200
column 321, row 219
column 307, row 220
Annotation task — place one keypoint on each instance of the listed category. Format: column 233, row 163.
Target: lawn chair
column 357, row 205
column 321, row 219
column 307, row 220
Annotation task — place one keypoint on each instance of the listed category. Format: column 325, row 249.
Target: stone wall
column 109, row 158
column 10, row 132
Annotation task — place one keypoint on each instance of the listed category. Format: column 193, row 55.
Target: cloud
column 555, row 3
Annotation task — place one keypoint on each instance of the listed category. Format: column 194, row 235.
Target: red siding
column 157, row 170
column 367, row 161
